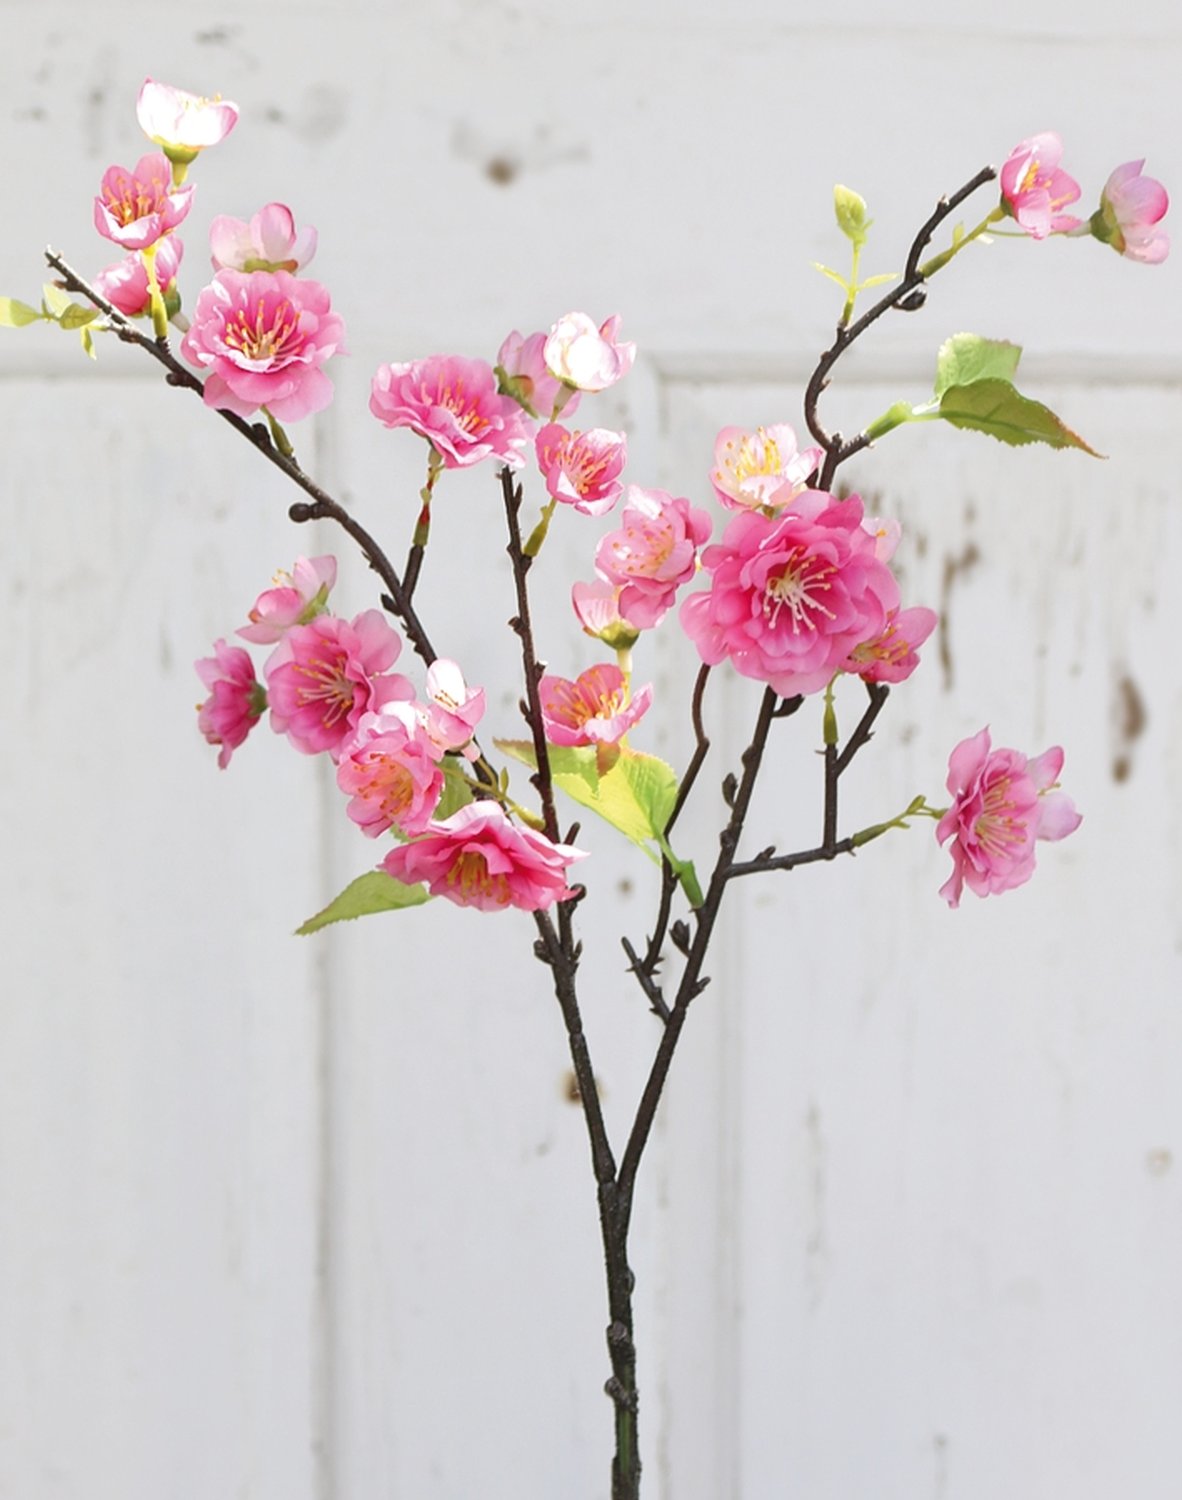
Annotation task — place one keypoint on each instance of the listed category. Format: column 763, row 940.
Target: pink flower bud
column 125, row 285
column 1131, row 207
column 235, row 702
column 586, row 357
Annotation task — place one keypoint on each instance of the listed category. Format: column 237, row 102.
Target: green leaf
column 14, row 314
column 636, row 795
column 87, row 342
column 996, row 408
column 369, row 893
column 578, row 761
column 54, row 300
column 456, row 791
column 74, row 315
column 880, row 280
column 966, row 358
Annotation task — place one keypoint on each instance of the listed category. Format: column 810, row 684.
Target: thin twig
column 523, row 626
column 645, row 969
column 909, row 296
column 323, row 505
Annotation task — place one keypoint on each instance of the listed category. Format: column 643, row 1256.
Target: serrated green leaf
column 966, row 358
column 14, row 314
column 369, row 893
column 54, row 300
column 996, row 408
column 87, row 343
column 75, row 315
column 636, row 795
column 579, row 761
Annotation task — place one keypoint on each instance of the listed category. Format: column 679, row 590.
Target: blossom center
column 581, row 465
column 273, row 332
column 132, row 198
column 798, row 589
column 754, row 459
column 326, row 685
column 643, row 551
column 470, row 873
column 389, row 783
column 996, row 829
column 462, row 408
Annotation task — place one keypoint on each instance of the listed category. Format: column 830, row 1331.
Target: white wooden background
column 312, row 1220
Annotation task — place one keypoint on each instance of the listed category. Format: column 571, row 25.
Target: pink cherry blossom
column 298, row 596
column 594, row 709
column 1002, row 804
column 597, row 608
column 262, row 337
column 586, row 357
column 792, row 596
column 477, row 857
column 582, row 469
column 323, row 676
column 1034, row 188
column 236, row 698
column 1128, row 219
column 454, row 403
column 653, row 553
column 135, row 207
column 761, row 467
column 390, row 770
column 891, row 655
column 125, row 285
column 453, row 709
column 524, row 365
column 182, row 123
column 267, row 242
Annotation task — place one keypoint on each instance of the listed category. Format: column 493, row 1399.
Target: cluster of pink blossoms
column 469, row 410
column 329, row 689
column 799, row 589
column 1035, row 190
column 259, row 333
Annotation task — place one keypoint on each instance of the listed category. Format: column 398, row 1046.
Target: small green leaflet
column 369, row 893
column 14, row 314
column 636, row 796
